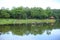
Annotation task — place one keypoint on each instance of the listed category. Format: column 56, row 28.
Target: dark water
column 43, row 31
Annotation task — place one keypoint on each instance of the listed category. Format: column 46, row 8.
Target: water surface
column 43, row 31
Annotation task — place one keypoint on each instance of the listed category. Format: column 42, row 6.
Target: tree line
column 29, row 13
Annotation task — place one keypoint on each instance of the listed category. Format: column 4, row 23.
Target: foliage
column 29, row 13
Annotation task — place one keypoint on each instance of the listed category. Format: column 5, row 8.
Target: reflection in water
column 30, row 32
column 27, row 29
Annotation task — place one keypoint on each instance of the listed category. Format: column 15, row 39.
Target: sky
column 53, row 4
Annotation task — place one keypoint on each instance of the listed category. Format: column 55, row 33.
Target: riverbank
column 23, row 21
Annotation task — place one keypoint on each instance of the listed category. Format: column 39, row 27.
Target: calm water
column 42, row 31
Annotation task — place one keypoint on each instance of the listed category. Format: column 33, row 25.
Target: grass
column 21, row 21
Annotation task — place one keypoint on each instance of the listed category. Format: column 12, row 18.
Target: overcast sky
column 30, row 3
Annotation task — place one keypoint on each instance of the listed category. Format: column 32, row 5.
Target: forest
column 29, row 13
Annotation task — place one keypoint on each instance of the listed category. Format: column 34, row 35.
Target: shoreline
column 28, row 21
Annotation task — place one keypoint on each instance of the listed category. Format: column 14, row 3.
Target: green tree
column 4, row 13
column 48, row 12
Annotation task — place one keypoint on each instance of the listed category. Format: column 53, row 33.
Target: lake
column 43, row 31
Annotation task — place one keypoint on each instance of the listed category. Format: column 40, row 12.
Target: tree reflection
column 29, row 29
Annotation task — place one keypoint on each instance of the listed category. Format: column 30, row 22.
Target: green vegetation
column 21, row 21
column 21, row 15
column 29, row 13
